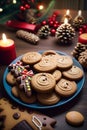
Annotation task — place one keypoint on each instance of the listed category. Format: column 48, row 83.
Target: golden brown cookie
column 11, row 79
column 31, row 57
column 19, row 118
column 64, row 62
column 74, row 73
column 25, row 98
column 48, row 98
column 57, row 75
column 45, row 65
column 65, row 87
column 43, row 82
column 51, row 54
column 74, row 118
column 14, row 91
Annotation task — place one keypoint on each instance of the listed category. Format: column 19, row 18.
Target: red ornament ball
column 51, row 23
column 53, row 31
column 27, row 6
column 22, row 8
column 44, row 22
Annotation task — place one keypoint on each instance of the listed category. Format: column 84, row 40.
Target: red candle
column 83, row 38
column 7, row 50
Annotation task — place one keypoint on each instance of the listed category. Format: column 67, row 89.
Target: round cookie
column 57, row 75
column 74, row 73
column 48, row 98
column 45, row 65
column 11, row 79
column 74, row 118
column 14, row 91
column 50, row 54
column 25, row 98
column 43, row 82
column 64, row 62
column 31, row 57
column 65, row 88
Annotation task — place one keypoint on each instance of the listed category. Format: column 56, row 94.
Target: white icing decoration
column 37, row 122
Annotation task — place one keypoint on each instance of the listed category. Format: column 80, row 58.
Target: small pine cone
column 65, row 33
column 29, row 37
column 75, row 54
column 78, row 22
column 83, row 59
column 44, row 31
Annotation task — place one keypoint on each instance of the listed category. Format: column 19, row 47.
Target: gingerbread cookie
column 15, row 118
column 48, row 98
column 45, row 65
column 24, row 82
column 43, row 82
column 74, row 73
column 66, row 88
column 11, row 79
column 17, row 69
column 31, row 57
column 74, row 118
column 64, row 62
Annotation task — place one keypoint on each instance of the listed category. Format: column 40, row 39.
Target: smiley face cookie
column 64, row 62
column 74, row 73
column 31, row 58
column 43, row 82
column 45, row 65
column 66, row 88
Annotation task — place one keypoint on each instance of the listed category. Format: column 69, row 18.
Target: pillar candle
column 7, row 50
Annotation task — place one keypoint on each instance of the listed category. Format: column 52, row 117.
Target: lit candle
column 7, row 50
column 68, row 12
column 68, row 16
column 79, row 13
column 66, row 21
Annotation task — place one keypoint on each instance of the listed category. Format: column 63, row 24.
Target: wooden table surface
column 79, row 103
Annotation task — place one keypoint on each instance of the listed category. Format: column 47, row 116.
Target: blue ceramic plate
column 37, row 105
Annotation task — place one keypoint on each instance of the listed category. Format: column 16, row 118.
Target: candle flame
column 40, row 7
column 4, row 37
column 65, row 21
column 68, row 12
column 79, row 13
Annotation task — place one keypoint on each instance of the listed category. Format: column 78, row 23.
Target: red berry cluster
column 83, row 29
column 24, row 7
column 52, row 22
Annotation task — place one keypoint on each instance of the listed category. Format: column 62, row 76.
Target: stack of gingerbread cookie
column 45, row 77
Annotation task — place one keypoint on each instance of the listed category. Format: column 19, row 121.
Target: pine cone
column 83, row 58
column 44, row 31
column 78, row 22
column 65, row 33
column 29, row 37
column 79, row 48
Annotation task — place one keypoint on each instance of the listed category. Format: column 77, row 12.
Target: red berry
column 22, row 8
column 53, row 31
column 51, row 23
column 27, row 6
column 44, row 22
